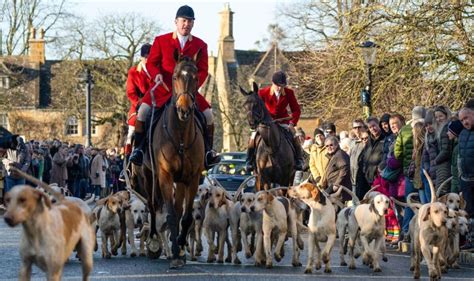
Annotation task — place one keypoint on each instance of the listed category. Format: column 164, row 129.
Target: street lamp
column 369, row 51
column 87, row 78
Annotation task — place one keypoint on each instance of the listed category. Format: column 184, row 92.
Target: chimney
column 37, row 46
column 226, row 39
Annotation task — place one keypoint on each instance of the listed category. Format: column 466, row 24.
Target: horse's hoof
column 153, row 255
column 228, row 260
column 308, row 271
column 176, row 263
column 153, row 244
column 133, row 254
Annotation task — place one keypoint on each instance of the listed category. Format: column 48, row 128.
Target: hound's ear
column 443, row 199
column 243, row 92
column 176, row 55
column 270, row 196
column 427, row 215
column 372, row 207
column 197, row 56
column 255, row 88
column 322, row 199
column 462, row 203
column 45, row 198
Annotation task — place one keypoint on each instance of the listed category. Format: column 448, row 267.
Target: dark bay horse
column 274, row 154
column 178, row 159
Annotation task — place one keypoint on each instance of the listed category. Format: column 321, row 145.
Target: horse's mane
column 267, row 118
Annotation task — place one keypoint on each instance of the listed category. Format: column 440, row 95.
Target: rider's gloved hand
column 159, row 79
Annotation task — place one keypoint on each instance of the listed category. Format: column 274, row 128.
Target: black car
column 231, row 174
column 233, row 155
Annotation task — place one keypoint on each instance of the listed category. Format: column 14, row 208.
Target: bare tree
column 425, row 55
column 18, row 16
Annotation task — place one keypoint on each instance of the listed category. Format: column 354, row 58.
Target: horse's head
column 185, row 85
column 256, row 111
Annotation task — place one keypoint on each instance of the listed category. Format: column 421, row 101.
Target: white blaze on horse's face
column 185, row 87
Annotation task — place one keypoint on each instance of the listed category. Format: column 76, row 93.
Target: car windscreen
column 237, row 169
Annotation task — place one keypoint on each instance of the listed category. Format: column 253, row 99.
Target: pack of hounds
column 258, row 224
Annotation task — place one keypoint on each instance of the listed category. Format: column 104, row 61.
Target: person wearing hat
column 138, row 82
column 454, row 129
column 277, row 98
column 160, row 65
column 317, row 157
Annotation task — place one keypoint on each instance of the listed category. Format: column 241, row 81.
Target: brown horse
column 274, row 153
column 178, row 158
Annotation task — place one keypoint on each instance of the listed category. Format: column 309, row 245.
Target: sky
column 251, row 18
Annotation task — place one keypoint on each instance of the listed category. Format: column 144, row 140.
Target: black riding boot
column 137, row 153
column 250, row 161
column 211, row 158
column 299, row 160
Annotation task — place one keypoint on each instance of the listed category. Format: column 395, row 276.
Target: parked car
column 233, row 155
column 231, row 174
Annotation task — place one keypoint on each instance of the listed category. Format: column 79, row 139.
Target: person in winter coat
column 79, row 169
column 455, row 127
column 419, row 133
column 19, row 158
column 59, row 169
column 466, row 167
column 403, row 152
column 98, row 172
column 445, row 147
column 431, row 147
column 357, row 147
column 318, row 160
column 338, row 170
column 373, row 153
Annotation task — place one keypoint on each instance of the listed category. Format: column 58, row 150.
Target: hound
column 321, row 224
column 108, row 222
column 50, row 232
column 251, row 224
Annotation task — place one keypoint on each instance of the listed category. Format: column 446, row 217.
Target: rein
column 271, row 151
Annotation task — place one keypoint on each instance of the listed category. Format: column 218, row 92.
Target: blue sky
column 251, row 18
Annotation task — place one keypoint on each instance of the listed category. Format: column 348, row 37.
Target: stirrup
column 211, row 159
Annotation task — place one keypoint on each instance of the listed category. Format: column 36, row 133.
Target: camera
column 9, row 142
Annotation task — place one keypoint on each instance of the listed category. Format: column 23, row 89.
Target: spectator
column 338, row 168
column 329, row 129
column 48, row 163
column 455, row 128
column 445, row 147
column 394, row 174
column 19, row 158
column 403, row 152
column 372, row 154
column 357, row 146
column 98, row 171
column 385, row 124
column 419, row 134
column 59, row 173
column 343, row 135
column 318, row 160
column 466, row 168
column 37, row 164
column 431, row 148
column 79, row 168
column 361, row 184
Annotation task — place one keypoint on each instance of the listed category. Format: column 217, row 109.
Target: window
column 4, row 120
column 72, row 126
column 94, row 125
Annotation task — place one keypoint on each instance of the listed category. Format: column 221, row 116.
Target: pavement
column 141, row 268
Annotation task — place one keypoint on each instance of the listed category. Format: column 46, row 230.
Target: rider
column 277, row 98
column 161, row 64
column 138, row 82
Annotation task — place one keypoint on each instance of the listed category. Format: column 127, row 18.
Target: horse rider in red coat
column 138, row 83
column 160, row 65
column 277, row 98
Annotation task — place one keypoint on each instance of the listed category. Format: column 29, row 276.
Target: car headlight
column 251, row 182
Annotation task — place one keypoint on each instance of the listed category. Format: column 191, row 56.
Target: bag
column 390, row 175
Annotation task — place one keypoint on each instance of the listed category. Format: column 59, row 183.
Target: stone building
column 232, row 68
column 39, row 98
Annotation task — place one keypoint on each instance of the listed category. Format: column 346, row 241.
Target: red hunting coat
column 279, row 108
column 138, row 84
column 161, row 61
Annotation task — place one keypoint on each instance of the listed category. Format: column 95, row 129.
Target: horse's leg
column 179, row 195
column 166, row 187
column 190, row 193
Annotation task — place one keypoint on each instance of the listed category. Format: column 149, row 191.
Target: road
column 141, row 268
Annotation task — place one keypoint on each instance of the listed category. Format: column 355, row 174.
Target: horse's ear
column 255, row 88
column 176, row 55
column 243, row 91
column 197, row 56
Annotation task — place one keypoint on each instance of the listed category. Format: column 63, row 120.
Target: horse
column 274, row 153
column 177, row 158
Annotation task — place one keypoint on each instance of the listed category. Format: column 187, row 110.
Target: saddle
column 199, row 120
